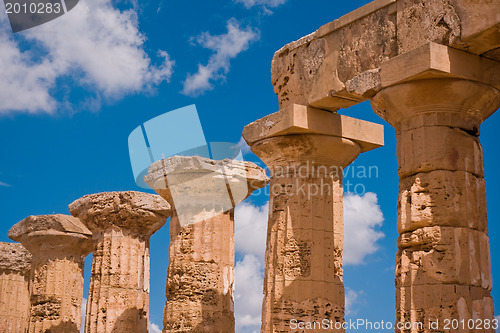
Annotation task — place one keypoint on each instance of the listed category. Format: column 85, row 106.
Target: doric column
column 443, row 262
column 15, row 266
column 59, row 245
column 306, row 150
column 121, row 225
column 203, row 193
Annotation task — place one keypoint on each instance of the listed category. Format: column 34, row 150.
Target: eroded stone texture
column 305, row 150
column 121, row 225
column 431, row 68
column 316, row 70
column 443, row 262
column 59, row 245
column 15, row 266
column 200, row 279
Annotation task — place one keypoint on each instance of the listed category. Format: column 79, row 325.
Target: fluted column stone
column 200, row 281
column 121, row 225
column 59, row 245
column 443, row 265
column 15, row 266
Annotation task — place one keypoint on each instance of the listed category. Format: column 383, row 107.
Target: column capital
column 440, row 102
column 14, row 257
column 300, row 133
column 137, row 212
column 196, row 185
column 434, row 79
column 53, row 235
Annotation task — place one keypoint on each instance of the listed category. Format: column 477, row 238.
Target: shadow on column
column 64, row 327
column 131, row 318
column 212, row 319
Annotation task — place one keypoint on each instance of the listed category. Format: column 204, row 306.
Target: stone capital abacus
column 305, row 239
column 298, row 134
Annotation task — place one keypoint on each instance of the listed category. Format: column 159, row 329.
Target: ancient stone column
column 443, row 262
column 59, row 245
column 306, row 150
column 203, row 193
column 15, row 266
column 121, row 225
column 431, row 69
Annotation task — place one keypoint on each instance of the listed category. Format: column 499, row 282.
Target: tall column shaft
column 306, row 150
column 303, row 274
column 443, row 261
column 200, row 277
column 15, row 266
column 56, row 293
column 203, row 193
column 121, row 225
column 119, row 283
column 59, row 245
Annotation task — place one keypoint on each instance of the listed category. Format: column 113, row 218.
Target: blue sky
column 72, row 90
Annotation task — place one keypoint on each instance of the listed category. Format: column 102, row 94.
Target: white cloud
column 84, row 309
column 225, row 47
column 95, row 45
column 250, row 229
column 4, row 184
column 351, row 299
column 153, row 328
column 250, row 242
column 498, row 318
column 249, row 280
column 264, row 3
column 362, row 215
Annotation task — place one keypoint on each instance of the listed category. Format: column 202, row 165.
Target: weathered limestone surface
column 306, row 149
column 15, row 266
column 431, row 68
column 59, row 245
column 317, row 69
column 200, row 277
column 443, row 263
column 121, row 225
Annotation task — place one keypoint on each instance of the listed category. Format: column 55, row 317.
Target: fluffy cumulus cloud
column 250, row 242
column 250, row 229
column 153, row 328
column 95, row 45
column 352, row 300
column 264, row 3
column 225, row 47
column 362, row 217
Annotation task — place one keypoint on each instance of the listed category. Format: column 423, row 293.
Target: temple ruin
column 430, row 68
column 121, row 225
column 58, row 245
column 200, row 280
